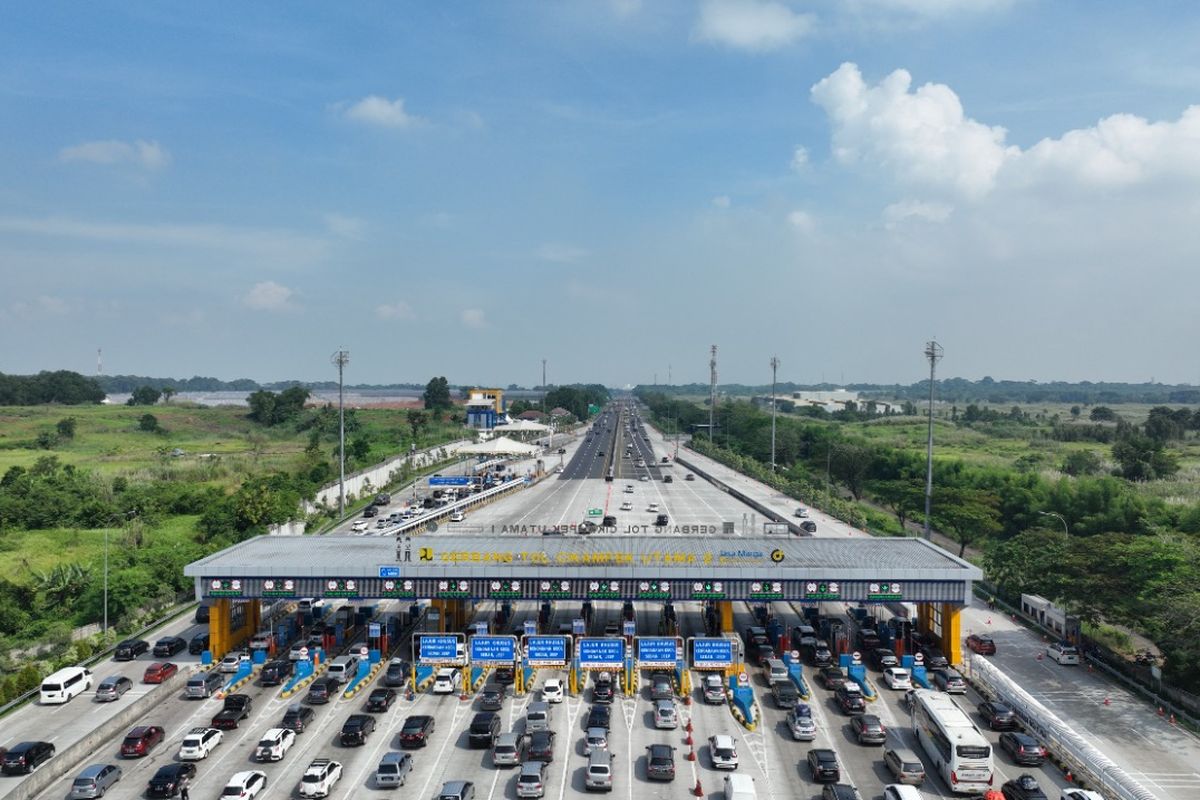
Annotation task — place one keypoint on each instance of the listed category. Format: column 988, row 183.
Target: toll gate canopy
column 597, row 567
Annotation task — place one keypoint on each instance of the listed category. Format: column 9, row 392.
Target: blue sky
column 466, row 189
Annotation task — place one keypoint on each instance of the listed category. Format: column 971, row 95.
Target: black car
column 276, row 672
column 505, row 676
column 370, row 511
column 322, row 690
column 868, row 729
column 416, row 731
column 660, row 762
column 356, row 730
column 662, row 521
column 1023, row 787
column 130, row 649
column 298, row 717
column 198, row 644
column 850, row 699
column 491, row 699
column 485, row 727
column 808, row 526
column 397, row 674
column 169, row 646
column 998, row 716
column 883, row 658
column 26, row 757
column 934, row 659
column 201, row 616
column 541, row 746
column 832, row 677
column 381, row 699
column 1023, row 748
column 599, row 717
column 602, row 691
column 821, row 655
column 823, row 764
column 868, row 639
column 170, row 779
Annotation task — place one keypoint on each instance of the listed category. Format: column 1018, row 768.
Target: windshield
column 268, row 743
column 311, row 778
column 387, row 769
column 973, row 751
column 725, row 752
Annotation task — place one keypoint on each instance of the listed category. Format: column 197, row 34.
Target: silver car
column 112, row 687
column 506, row 751
column 94, row 781
column 393, row 770
column 599, row 775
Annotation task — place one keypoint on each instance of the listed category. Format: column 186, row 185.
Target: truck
column 236, row 709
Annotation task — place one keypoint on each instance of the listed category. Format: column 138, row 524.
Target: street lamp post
column 1058, row 517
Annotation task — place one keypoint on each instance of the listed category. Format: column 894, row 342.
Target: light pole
column 340, row 359
column 933, row 351
column 1058, row 517
column 774, row 370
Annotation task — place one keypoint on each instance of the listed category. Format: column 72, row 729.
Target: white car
column 1063, row 653
column 629, row 488
column 457, row 516
column 644, row 479
column 274, row 744
column 897, row 678
column 360, row 525
column 722, row 751
column 552, row 691
column 652, row 508
column 447, row 681
column 901, row 791
column 320, row 777
column 230, row 662
column 800, row 722
column 244, row 785
column 665, row 715
column 1073, row 793
column 627, row 505
column 801, row 512
column 198, row 743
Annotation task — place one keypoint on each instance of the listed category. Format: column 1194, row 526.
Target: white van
column 1063, row 653
column 65, row 684
column 343, row 668
column 740, row 787
column 775, row 671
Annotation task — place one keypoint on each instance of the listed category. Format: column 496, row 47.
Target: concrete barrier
column 69, row 759
column 767, row 513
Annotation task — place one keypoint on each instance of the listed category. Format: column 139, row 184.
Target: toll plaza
column 450, row 575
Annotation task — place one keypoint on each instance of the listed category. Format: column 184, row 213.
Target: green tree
column 850, row 464
column 360, row 448
column 148, row 422
column 1082, row 462
column 905, row 498
column 144, row 396
column 966, row 515
column 417, row 421
column 1142, row 458
column 1075, row 412
column 47, row 440
column 66, row 428
column 167, row 393
column 437, row 395
column 1102, row 414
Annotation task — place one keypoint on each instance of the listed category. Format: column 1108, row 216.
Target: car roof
column 92, row 770
column 533, row 768
column 597, row 731
column 722, row 740
column 660, row 749
column 243, row 777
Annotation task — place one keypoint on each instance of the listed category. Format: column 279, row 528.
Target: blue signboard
column 656, row 652
column 450, row 480
column 607, row 652
column 438, row 649
column 389, row 572
column 712, row 653
column 493, row 649
column 546, row 651
column 530, row 627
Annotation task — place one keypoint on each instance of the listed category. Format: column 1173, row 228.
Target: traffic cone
column 1172, row 719
column 1070, row 777
column 688, row 740
column 1108, row 701
column 689, row 725
column 698, row 791
column 1160, row 711
column 687, row 699
column 989, row 622
column 691, row 756
column 1040, row 656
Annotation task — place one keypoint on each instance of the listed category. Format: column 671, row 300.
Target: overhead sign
column 595, row 512
column 546, row 651
column 630, row 627
column 450, row 480
column 657, row 651
column 775, row 527
column 578, row 626
column 373, row 630
column 608, row 653
column 712, row 653
column 489, row 650
column 530, row 627
column 389, row 572
column 438, row 649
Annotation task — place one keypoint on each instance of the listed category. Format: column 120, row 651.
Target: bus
column 959, row 752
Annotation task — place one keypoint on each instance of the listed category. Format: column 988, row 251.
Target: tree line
column 63, row 387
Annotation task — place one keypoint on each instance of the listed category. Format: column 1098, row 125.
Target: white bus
column 959, row 752
column 65, row 684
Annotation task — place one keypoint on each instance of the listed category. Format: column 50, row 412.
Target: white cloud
column 42, row 306
column 473, row 318
column 897, row 213
column 269, row 296
column 376, row 110
column 721, row 201
column 923, row 137
column 625, row 8
column 148, row 155
column 929, row 8
column 799, row 158
column 801, row 221
column 561, row 253
column 397, row 310
column 751, row 24
column 346, row 227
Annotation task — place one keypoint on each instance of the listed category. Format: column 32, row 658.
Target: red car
column 159, row 672
column 140, row 741
column 981, row 644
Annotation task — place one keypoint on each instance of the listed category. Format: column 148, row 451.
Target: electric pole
column 774, row 370
column 933, row 351
column 340, row 359
column 712, row 396
column 543, row 386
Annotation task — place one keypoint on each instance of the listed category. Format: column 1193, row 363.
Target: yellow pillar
column 218, row 628
column 725, row 609
column 952, row 633
column 254, row 616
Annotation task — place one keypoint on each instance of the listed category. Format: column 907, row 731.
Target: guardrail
column 416, row 524
column 768, row 513
column 1087, row 765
